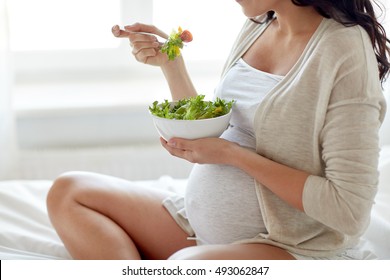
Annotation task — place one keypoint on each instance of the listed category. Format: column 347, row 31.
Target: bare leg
column 102, row 217
column 252, row 251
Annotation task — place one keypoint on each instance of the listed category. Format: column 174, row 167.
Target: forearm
column 286, row 182
column 179, row 81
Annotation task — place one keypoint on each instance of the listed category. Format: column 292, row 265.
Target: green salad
column 192, row 108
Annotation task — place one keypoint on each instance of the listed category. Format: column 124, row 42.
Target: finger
column 119, row 33
column 140, row 27
column 171, row 149
column 144, row 55
column 137, row 47
column 163, row 141
column 141, row 37
column 180, row 143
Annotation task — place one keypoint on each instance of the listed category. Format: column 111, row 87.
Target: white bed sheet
column 25, row 230
column 26, row 233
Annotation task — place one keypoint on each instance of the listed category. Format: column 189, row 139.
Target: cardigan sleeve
column 343, row 197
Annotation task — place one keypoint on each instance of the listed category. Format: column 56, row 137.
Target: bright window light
column 62, row 25
column 214, row 24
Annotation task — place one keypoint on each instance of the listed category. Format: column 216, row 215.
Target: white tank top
column 221, row 201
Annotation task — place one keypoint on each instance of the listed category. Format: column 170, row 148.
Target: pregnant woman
column 295, row 174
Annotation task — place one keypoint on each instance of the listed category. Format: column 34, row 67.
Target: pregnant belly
column 222, row 205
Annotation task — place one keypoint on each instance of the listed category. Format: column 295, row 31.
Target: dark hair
column 355, row 12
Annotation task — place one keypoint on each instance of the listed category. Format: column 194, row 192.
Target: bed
column 26, row 233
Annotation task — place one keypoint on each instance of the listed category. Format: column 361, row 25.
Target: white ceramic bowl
column 191, row 129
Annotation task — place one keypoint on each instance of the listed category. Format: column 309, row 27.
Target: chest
column 274, row 53
column 248, row 87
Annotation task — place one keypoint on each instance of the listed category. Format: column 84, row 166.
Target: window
column 71, row 35
column 45, row 25
column 58, row 35
column 74, row 35
column 214, row 24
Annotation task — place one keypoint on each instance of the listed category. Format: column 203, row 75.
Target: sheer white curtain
column 385, row 129
column 7, row 137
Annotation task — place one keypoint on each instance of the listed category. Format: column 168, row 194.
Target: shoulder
column 350, row 64
column 345, row 41
column 345, row 50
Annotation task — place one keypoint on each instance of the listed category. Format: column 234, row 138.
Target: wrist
column 232, row 152
column 179, row 82
column 172, row 67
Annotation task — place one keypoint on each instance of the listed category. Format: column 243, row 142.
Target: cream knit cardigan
column 323, row 118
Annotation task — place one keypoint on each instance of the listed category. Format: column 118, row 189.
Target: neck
column 294, row 20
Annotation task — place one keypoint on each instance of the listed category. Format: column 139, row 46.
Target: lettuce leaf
column 192, row 108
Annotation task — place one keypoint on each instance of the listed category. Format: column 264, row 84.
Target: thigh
column 137, row 210
column 252, row 251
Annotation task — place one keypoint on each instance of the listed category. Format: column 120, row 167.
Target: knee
column 62, row 191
